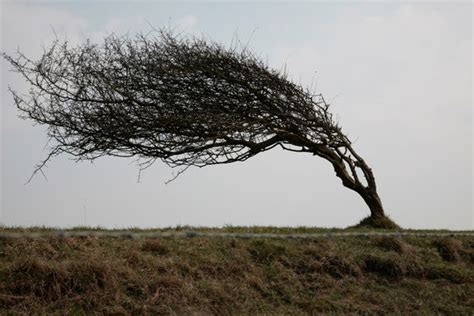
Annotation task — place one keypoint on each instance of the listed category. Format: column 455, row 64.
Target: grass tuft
column 381, row 222
column 391, row 267
column 154, row 246
column 391, row 243
column 449, row 249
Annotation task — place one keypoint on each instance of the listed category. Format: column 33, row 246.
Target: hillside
column 221, row 275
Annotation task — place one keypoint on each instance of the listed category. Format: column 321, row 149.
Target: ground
column 221, row 275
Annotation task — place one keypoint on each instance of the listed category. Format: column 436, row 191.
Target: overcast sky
column 398, row 75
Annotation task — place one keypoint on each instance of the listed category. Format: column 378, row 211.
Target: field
column 221, row 275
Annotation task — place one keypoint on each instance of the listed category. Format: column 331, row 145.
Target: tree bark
column 373, row 201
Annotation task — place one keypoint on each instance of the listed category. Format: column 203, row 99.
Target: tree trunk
column 373, row 201
column 347, row 163
column 350, row 180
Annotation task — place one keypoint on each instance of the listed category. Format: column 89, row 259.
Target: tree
column 184, row 100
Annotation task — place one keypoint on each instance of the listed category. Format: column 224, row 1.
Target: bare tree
column 184, row 100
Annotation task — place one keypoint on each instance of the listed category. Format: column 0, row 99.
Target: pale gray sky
column 398, row 75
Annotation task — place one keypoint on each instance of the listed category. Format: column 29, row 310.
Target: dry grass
column 391, row 243
column 377, row 222
column 449, row 249
column 155, row 246
column 202, row 276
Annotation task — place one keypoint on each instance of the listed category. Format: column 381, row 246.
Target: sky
column 398, row 76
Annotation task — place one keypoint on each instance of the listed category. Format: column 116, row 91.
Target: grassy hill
column 217, row 275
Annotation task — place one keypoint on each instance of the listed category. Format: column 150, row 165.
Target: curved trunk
column 368, row 193
column 373, row 201
column 346, row 165
column 349, row 167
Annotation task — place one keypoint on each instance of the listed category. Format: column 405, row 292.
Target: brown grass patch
column 50, row 281
column 449, row 249
column 391, row 243
column 391, row 267
column 339, row 267
column 447, row 273
column 263, row 251
column 155, row 246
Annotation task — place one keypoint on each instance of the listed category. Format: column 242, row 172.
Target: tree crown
column 181, row 99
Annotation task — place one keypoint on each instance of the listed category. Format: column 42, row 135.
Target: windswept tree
column 184, row 100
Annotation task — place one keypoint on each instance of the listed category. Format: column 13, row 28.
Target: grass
column 377, row 222
column 370, row 275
